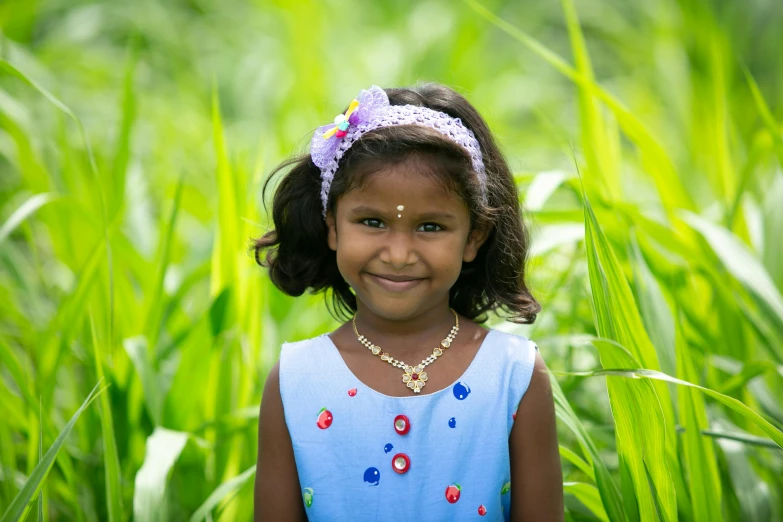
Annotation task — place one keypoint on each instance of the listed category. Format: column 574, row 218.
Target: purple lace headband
column 371, row 110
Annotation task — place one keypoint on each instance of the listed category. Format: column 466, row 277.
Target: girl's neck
column 407, row 335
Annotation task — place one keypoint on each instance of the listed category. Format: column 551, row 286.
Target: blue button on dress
column 345, row 442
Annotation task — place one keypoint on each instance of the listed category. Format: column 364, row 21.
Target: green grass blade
column 149, row 499
column 111, row 463
column 599, row 151
column 641, row 434
column 225, row 250
column 8, row 488
column 775, row 434
column 588, row 495
column 641, row 413
column 653, row 309
column 739, row 261
column 10, row 69
column 222, row 491
column 750, row 370
column 61, row 328
column 137, row 350
column 700, row 460
column 617, row 316
column 745, row 439
column 11, row 363
column 24, row 211
column 577, row 461
column 122, row 148
column 40, row 458
column 766, row 116
column 610, row 494
column 223, row 391
column 22, row 503
column 156, row 301
column 659, row 510
column 754, row 495
column 658, row 320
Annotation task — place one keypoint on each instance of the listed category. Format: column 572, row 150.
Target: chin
column 389, row 307
column 394, row 309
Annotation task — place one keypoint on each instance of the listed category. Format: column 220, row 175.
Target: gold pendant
column 415, row 377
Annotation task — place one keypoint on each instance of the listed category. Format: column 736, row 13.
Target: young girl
column 406, row 211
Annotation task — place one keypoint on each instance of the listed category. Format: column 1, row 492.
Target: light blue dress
column 346, row 437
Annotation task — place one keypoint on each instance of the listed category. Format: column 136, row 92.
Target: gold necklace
column 414, row 377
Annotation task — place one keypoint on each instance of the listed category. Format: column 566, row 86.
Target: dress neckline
column 479, row 354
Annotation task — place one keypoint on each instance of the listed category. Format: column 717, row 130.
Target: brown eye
column 432, row 225
column 371, row 220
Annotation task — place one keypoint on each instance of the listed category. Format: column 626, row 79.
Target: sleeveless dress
column 366, row 456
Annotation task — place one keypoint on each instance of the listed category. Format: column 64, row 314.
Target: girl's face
column 426, row 242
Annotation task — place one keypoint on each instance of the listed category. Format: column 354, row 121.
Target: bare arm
column 536, row 475
column 277, row 496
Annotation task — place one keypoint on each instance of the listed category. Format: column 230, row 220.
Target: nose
column 399, row 250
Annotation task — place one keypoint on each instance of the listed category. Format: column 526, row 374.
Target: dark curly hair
column 299, row 257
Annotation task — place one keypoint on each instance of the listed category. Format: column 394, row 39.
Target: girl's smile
column 401, row 284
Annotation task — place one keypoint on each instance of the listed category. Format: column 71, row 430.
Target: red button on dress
column 401, row 463
column 401, row 424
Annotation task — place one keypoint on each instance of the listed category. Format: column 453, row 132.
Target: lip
column 394, row 286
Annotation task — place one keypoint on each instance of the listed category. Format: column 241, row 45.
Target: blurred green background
column 134, row 137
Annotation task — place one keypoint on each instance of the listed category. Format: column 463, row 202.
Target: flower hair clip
column 330, row 142
column 343, row 121
column 371, row 110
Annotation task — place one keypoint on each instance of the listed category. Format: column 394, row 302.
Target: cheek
column 352, row 250
column 452, row 268
column 446, row 259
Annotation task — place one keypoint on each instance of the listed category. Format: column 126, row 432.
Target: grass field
column 136, row 330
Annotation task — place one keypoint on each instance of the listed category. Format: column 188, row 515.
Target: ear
column 476, row 238
column 331, row 237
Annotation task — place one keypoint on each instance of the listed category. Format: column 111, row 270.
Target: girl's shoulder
column 515, row 345
column 303, row 345
column 516, row 355
column 299, row 360
column 508, row 349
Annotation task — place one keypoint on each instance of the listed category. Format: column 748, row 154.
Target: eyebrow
column 435, row 214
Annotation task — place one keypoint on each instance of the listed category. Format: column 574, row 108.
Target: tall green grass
column 647, row 145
